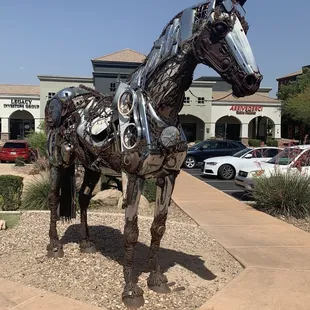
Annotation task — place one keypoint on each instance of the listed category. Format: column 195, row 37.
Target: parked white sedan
column 291, row 160
column 227, row 167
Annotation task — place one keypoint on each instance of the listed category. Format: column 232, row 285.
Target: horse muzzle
column 247, row 86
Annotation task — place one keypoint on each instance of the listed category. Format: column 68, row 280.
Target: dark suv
column 197, row 153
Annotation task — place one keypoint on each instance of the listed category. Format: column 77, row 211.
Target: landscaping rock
column 2, row 225
column 108, row 198
column 97, row 188
column 189, row 257
column 144, row 203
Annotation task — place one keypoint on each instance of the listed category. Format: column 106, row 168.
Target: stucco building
column 209, row 108
column 20, row 110
column 211, row 111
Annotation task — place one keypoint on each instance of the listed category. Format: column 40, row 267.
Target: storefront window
column 19, row 128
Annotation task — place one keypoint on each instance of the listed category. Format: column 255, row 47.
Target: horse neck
column 167, row 85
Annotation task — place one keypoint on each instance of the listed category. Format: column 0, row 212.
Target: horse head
column 221, row 43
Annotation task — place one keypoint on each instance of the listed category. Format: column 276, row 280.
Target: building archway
column 193, row 127
column 261, row 128
column 20, row 124
column 228, row 127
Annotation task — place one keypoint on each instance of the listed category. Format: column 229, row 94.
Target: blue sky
column 60, row 37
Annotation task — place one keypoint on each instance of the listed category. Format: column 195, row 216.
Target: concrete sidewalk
column 20, row 297
column 276, row 255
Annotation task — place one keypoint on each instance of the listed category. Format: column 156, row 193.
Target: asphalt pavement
column 228, row 187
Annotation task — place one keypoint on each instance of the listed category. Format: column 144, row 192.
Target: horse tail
column 67, row 199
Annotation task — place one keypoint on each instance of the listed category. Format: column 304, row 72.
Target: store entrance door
column 228, row 127
column 190, row 130
column 21, row 123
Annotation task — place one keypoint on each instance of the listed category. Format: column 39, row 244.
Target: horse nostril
column 250, row 80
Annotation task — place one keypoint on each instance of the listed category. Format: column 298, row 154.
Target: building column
column 5, row 129
column 212, row 130
column 37, row 122
column 277, row 131
column 245, row 133
column 207, row 130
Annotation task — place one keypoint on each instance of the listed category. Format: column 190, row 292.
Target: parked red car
column 16, row 148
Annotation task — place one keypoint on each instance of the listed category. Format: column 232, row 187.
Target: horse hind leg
column 91, row 178
column 54, row 248
column 157, row 281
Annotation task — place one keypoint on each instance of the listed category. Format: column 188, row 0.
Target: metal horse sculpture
column 137, row 131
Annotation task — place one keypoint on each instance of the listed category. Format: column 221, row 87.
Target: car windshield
column 14, row 145
column 285, row 157
column 242, row 152
column 197, row 145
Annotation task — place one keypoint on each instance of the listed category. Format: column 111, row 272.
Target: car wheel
column 227, row 172
column 190, row 162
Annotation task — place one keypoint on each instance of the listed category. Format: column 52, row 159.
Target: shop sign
column 246, row 109
column 21, row 104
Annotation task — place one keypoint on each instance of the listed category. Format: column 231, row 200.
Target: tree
column 296, row 98
column 37, row 140
column 298, row 106
column 295, row 87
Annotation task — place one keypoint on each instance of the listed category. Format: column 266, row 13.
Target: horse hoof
column 57, row 253
column 133, row 302
column 160, row 289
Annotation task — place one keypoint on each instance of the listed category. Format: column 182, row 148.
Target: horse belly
column 155, row 165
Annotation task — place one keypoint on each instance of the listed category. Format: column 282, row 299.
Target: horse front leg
column 91, row 178
column 54, row 248
column 132, row 295
column 157, row 281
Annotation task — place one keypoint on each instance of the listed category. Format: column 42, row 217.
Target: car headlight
column 257, row 173
column 211, row 163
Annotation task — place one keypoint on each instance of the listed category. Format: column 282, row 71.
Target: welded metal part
column 137, row 132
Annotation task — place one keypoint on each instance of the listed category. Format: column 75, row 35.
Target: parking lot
column 227, row 187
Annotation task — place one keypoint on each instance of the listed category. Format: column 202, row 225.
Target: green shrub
column 37, row 140
column 36, row 194
column 254, row 142
column 283, row 194
column 272, row 142
column 19, row 161
column 11, row 188
column 149, row 190
column 40, row 164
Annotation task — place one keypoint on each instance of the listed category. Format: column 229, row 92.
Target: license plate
column 13, row 153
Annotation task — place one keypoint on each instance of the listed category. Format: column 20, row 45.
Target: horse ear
column 242, row 2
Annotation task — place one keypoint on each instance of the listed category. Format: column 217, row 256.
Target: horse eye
column 220, row 29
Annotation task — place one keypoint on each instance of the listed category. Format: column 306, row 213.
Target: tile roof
column 9, row 89
column 257, row 97
column 126, row 55
column 290, row 75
